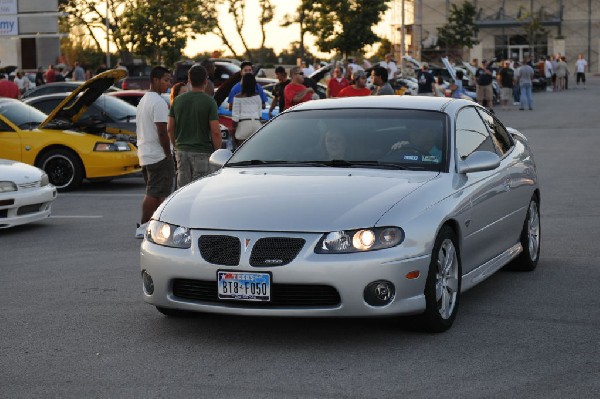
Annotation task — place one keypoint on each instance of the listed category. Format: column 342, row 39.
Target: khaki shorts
column 507, row 93
column 191, row 166
column 246, row 128
column 159, row 178
column 485, row 93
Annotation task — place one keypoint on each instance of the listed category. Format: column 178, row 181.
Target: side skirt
column 490, row 267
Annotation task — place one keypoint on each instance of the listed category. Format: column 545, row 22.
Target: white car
column 26, row 194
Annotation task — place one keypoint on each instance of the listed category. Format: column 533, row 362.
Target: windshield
column 22, row 115
column 377, row 138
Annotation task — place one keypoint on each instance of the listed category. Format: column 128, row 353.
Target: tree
column 345, row 26
column 266, row 17
column 460, row 31
column 299, row 19
column 385, row 47
column 533, row 28
column 161, row 34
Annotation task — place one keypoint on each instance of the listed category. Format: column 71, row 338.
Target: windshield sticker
column 411, row 157
column 430, row 158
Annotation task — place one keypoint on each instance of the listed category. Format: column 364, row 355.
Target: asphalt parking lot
column 73, row 324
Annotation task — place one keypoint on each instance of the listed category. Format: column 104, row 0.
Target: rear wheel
column 442, row 289
column 63, row 167
column 530, row 240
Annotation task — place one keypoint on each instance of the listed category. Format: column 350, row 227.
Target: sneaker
column 140, row 231
column 516, row 103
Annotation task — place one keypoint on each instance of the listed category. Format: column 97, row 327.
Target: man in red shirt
column 50, row 74
column 8, row 89
column 336, row 83
column 359, row 88
column 295, row 92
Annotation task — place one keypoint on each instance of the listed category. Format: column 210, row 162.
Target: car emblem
column 246, row 244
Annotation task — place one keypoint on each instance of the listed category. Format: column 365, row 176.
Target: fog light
column 148, row 283
column 379, row 293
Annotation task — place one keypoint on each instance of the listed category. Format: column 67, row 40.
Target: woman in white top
column 22, row 82
column 246, row 110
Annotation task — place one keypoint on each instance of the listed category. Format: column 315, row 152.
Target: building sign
column 8, row 7
column 9, row 25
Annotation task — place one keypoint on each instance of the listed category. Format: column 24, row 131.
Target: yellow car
column 67, row 149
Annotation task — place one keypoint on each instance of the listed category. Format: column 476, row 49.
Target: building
column 566, row 27
column 29, row 34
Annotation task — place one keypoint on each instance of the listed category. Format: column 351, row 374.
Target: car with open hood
column 66, row 148
column 353, row 207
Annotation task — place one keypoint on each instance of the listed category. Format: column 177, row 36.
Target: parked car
column 57, row 87
column 65, row 148
column 223, row 71
column 366, row 206
column 132, row 97
column 134, row 83
column 26, row 194
column 107, row 112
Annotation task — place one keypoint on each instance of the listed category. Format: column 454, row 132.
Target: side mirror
column 219, row 158
column 479, row 161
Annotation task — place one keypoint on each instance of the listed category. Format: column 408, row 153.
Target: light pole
column 107, row 34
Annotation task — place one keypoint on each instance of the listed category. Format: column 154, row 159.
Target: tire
column 530, row 240
column 442, row 288
column 63, row 167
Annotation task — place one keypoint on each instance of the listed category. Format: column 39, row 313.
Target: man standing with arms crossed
column 194, row 128
column 154, row 148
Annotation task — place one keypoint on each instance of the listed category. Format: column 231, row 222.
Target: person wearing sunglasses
column 295, row 92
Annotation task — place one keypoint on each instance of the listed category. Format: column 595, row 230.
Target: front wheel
column 530, row 240
column 442, row 288
column 63, row 167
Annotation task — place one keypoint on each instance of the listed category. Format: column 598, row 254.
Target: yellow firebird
column 66, row 149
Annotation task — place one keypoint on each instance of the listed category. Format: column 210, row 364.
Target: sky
column 277, row 37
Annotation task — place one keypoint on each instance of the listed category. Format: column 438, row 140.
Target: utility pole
column 402, row 42
column 107, row 34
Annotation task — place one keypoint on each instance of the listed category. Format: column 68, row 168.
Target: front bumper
column 348, row 274
column 26, row 206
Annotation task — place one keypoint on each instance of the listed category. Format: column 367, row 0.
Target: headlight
column 6, row 186
column 45, row 180
column 360, row 240
column 168, row 235
column 112, row 147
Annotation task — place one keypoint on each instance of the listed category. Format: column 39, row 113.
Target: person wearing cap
column 278, row 90
column 425, row 81
column 295, row 92
column 359, row 88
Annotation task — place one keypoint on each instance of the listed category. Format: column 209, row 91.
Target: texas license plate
column 244, row 286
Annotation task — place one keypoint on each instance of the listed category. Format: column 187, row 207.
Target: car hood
column 72, row 107
column 18, row 172
column 290, row 199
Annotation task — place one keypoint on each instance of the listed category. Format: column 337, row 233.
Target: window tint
column 471, row 134
column 47, row 106
column 5, row 128
column 500, row 136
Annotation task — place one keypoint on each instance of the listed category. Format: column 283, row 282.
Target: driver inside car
column 423, row 142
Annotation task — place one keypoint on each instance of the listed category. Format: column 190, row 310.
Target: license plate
column 244, row 286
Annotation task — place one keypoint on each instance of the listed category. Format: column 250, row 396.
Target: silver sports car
column 376, row 206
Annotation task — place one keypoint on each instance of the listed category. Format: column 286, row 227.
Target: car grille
column 27, row 209
column 220, row 249
column 271, row 251
column 33, row 184
column 275, row 251
column 302, row 295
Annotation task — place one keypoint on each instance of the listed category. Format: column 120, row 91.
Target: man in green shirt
column 194, row 128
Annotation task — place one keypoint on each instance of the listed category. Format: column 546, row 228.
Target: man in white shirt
column 580, row 67
column 154, row 146
column 390, row 65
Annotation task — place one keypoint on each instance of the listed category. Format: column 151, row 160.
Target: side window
column 47, row 106
column 4, row 127
column 471, row 134
column 500, row 136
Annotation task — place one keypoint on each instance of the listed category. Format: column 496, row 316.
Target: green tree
column 161, row 34
column 299, row 18
column 385, row 47
column 460, row 31
column 345, row 26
